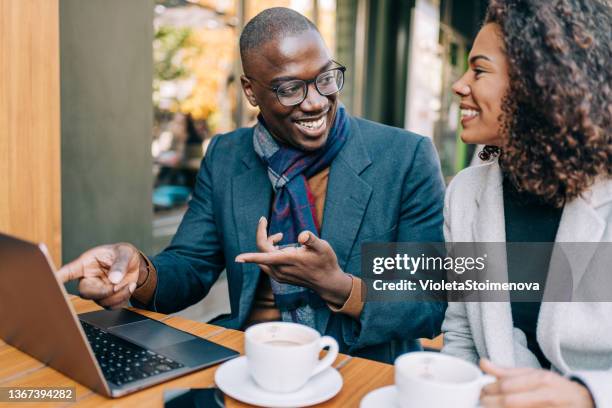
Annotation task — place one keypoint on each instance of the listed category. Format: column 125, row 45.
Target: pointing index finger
column 267, row 258
column 71, row 271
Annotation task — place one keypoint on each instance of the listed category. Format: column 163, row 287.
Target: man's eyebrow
column 281, row 79
column 479, row 56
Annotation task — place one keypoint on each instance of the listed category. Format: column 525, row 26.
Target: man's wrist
column 339, row 289
column 146, row 282
column 143, row 271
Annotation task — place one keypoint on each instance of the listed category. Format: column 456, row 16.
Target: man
column 318, row 181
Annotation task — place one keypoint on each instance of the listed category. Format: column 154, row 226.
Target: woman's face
column 483, row 87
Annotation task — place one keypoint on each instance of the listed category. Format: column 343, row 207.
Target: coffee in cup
column 283, row 356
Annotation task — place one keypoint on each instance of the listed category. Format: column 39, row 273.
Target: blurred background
column 402, row 57
column 113, row 147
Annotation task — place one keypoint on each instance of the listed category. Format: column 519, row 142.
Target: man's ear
column 247, row 87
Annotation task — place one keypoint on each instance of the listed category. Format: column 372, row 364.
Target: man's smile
column 313, row 127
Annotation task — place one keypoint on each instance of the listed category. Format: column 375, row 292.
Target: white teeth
column 311, row 124
column 469, row 112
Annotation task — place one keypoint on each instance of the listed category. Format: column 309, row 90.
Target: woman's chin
column 468, row 137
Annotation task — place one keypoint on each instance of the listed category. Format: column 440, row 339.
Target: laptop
column 113, row 352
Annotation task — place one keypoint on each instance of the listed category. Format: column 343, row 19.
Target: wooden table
column 20, row 370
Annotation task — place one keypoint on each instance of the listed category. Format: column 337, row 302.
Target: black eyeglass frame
column 306, row 82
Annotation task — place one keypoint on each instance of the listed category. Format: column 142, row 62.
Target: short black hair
column 271, row 24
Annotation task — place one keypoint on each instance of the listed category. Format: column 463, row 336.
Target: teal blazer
column 385, row 185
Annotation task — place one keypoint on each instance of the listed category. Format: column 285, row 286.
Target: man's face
column 303, row 56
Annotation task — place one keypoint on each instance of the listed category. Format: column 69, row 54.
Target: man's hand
column 107, row 274
column 313, row 265
column 531, row 388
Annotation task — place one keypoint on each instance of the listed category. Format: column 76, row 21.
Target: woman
column 538, row 94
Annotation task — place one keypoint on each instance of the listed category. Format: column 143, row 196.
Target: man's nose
column 314, row 100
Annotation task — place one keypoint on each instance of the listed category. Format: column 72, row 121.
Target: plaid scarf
column 293, row 209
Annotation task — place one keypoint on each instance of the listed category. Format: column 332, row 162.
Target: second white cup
column 427, row 379
column 283, row 356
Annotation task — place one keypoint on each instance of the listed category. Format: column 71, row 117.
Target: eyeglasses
column 291, row 93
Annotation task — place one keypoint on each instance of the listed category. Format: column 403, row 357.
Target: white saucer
column 381, row 397
column 234, row 380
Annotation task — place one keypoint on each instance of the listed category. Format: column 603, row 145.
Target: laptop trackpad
column 151, row 334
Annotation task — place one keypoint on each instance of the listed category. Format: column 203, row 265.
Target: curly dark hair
column 557, row 114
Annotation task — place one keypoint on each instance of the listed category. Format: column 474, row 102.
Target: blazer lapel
column 489, row 225
column 251, row 196
column 490, row 232
column 346, row 200
column 347, row 196
column 580, row 223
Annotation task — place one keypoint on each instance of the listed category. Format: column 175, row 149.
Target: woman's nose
column 460, row 87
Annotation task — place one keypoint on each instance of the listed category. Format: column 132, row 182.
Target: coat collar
column 347, row 196
column 489, row 230
column 580, row 221
column 489, row 225
column 346, row 201
column 250, row 200
column 250, row 158
column 354, row 152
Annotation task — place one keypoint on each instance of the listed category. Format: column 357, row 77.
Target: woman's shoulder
column 462, row 195
column 600, row 193
column 471, row 180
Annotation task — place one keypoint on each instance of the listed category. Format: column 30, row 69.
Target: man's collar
column 250, row 159
column 354, row 153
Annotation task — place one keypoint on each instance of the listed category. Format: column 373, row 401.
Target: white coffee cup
column 428, row 379
column 282, row 356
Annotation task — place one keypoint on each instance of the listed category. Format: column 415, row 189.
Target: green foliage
column 168, row 43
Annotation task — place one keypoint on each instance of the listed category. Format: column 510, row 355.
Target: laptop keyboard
column 123, row 362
